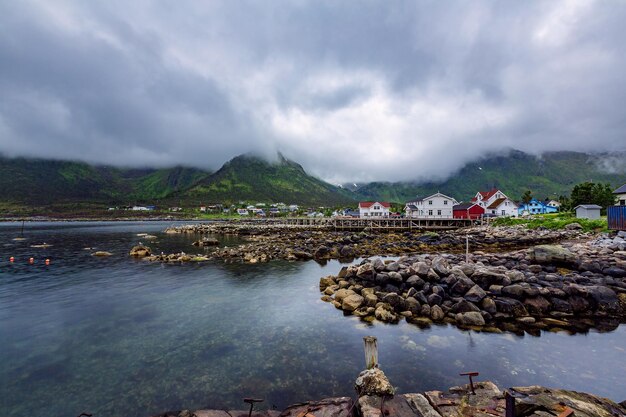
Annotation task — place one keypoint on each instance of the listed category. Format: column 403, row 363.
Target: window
column 506, row 203
column 445, row 202
column 430, row 212
column 438, row 212
column 504, row 212
column 622, row 202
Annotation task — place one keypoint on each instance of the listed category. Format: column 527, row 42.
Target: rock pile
column 267, row 242
column 573, row 287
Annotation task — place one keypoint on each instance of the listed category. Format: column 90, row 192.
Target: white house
column 242, row 212
column 554, row 203
column 496, row 203
column 620, row 195
column 438, row 206
column 374, row 209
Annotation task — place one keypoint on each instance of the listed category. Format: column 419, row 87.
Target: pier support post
column 510, row 404
column 371, row 352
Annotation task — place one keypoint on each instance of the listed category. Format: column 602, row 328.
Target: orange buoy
column 47, row 261
column 11, row 259
column 31, row 260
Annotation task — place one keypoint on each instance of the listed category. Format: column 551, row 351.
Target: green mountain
column 71, row 185
column 45, row 182
column 37, row 182
column 549, row 176
column 250, row 178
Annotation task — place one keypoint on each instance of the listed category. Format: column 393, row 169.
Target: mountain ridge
column 253, row 179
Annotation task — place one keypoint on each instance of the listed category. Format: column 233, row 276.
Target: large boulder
column 510, row 306
column 604, row 299
column 326, row 282
column 551, row 254
column 415, row 281
column 323, row 252
column 537, row 305
column 343, row 293
column 436, row 313
column 373, row 382
column 486, row 278
column 366, row 271
column 441, row 266
column 464, row 306
column 347, row 251
column 475, row 294
column 462, row 286
column 471, row 318
column 352, row 302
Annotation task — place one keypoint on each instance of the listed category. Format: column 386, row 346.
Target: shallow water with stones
column 121, row 337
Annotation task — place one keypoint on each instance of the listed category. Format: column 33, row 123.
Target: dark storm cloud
column 352, row 90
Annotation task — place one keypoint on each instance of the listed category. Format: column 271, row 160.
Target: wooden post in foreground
column 371, row 352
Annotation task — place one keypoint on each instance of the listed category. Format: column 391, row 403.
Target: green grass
column 554, row 221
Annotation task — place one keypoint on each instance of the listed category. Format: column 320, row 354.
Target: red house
column 468, row 211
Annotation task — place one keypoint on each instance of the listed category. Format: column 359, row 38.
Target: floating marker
column 47, row 261
column 11, row 259
column 31, row 260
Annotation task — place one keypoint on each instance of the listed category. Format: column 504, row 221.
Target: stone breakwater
column 574, row 286
column 487, row 401
column 268, row 242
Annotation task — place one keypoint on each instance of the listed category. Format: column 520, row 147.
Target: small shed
column 468, row 211
column 588, row 211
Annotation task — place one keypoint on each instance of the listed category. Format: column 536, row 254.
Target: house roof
column 620, row 190
column 464, row 206
column 486, row 195
column 411, row 206
column 588, row 206
column 439, row 194
column 367, row 204
column 496, row 203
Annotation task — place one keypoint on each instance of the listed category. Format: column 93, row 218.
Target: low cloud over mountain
column 354, row 91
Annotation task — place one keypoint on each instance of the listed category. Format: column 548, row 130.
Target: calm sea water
column 120, row 337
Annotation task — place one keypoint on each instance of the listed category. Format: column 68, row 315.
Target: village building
column 496, row 203
column 374, row 209
column 437, row 206
column 588, row 211
column 535, row 206
column 554, row 203
column 468, row 211
column 242, row 212
column 620, row 195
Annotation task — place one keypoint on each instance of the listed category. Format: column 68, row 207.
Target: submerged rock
column 140, row 251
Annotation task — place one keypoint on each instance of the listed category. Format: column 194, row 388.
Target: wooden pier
column 358, row 224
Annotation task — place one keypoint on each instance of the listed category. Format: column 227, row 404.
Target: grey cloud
column 354, row 91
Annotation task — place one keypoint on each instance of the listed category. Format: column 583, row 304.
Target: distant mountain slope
column 42, row 182
column 249, row 178
column 551, row 175
column 35, row 182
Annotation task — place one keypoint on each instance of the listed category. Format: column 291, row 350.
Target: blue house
column 536, row 207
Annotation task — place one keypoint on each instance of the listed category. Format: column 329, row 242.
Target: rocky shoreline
column 486, row 400
column 268, row 242
column 573, row 287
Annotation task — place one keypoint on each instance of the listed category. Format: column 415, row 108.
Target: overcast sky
column 353, row 90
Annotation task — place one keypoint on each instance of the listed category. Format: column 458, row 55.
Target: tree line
column 583, row 193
